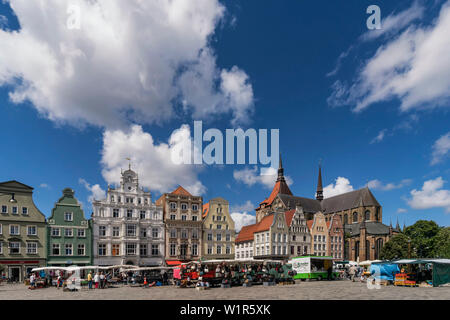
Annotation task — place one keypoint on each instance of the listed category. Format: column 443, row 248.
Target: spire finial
column 129, row 163
column 280, row 170
column 319, row 193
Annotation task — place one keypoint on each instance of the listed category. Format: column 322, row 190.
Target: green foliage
column 422, row 235
column 442, row 244
column 395, row 248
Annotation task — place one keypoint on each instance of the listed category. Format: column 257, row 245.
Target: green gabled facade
column 69, row 233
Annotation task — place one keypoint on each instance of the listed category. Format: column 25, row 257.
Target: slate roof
column 309, row 205
column 349, row 200
column 372, row 227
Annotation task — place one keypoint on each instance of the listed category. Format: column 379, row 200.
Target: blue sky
column 68, row 101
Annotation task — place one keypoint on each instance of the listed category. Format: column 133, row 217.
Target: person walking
column 89, row 278
column 352, row 272
column 96, row 279
column 102, row 280
column 32, row 280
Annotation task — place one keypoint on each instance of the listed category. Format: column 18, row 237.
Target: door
column 14, row 274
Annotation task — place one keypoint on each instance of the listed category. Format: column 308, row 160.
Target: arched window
column 345, row 219
column 355, row 217
column 356, row 250
column 377, row 214
column 378, row 247
column 367, row 250
column 367, row 215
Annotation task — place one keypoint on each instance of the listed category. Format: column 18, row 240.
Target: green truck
column 312, row 267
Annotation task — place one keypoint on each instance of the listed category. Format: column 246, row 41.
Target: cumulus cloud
column 401, row 210
column 441, row 149
column 251, row 177
column 242, row 219
column 97, row 193
column 378, row 185
column 431, row 196
column 130, row 62
column 247, row 206
column 342, row 185
column 413, row 67
column 379, row 137
column 152, row 161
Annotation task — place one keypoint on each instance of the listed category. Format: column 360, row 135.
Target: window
column 116, row 249
column 195, row 249
column 119, row 199
column 219, row 237
column 55, row 249
column 155, row 233
column 219, row 227
column 14, row 210
column 31, row 247
column 68, row 216
column 184, row 206
column 131, row 230
column 116, row 231
column 129, row 213
column 209, row 236
column 173, row 249
column 14, row 247
column 142, row 215
column 24, row 210
column 143, row 232
column 1, row 229
column 355, row 217
column 173, row 217
column 112, row 198
column 102, row 231
column 68, row 232
column 228, row 237
column 183, row 217
column 81, row 250
column 102, row 249
column 345, row 218
column 367, row 215
column 219, row 218
column 210, row 250
column 32, row 230
column 14, row 230
column 184, row 234
column 173, row 205
column 228, row 250
column 131, row 249
column 315, row 237
column 155, row 250
column 4, row 209
column 81, row 233
column 55, row 232
column 143, row 250
column 173, row 233
column 219, row 249
column 194, row 234
column 195, row 207
column 155, row 215
column 194, row 218
column 68, row 247
column 115, row 213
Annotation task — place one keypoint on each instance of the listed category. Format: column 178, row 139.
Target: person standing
column 89, row 278
column 102, row 280
column 32, row 280
column 352, row 272
column 96, row 279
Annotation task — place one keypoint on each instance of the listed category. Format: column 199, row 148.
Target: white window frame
column 28, row 230
column 155, row 247
column 81, row 246
column 195, row 207
column 173, row 205
column 81, row 230
column 1, row 228
column 35, row 247
column 100, row 229
column 184, row 206
column 65, row 232
column 18, row 229
column 68, row 213
column 66, row 246
column 4, row 212
column 53, row 232
column 114, row 229
column 155, row 231
column 103, row 247
column 54, row 245
column 26, row 211
column 1, row 247
column 9, row 246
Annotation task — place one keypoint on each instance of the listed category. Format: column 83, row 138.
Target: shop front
column 18, row 270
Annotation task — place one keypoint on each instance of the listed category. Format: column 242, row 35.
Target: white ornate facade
column 127, row 227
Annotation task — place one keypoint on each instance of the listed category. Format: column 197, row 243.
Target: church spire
column 319, row 193
column 397, row 226
column 280, row 170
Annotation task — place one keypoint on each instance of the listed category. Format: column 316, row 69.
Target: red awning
column 173, row 262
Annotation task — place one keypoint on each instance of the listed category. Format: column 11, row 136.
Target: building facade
column 218, row 230
column 23, row 242
column 335, row 237
column 183, row 225
column 319, row 235
column 127, row 226
column 299, row 235
column 69, row 234
column 244, row 243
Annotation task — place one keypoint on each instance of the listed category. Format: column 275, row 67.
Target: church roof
column 309, row 205
column 349, row 200
column 246, row 233
column 181, row 192
column 372, row 227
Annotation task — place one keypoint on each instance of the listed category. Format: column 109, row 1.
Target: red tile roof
column 289, row 215
column 205, row 210
column 181, row 191
column 310, row 223
column 265, row 223
column 246, row 233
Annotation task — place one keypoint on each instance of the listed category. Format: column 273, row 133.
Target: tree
column 395, row 248
column 442, row 244
column 422, row 235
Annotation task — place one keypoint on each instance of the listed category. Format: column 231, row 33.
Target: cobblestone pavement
column 318, row 290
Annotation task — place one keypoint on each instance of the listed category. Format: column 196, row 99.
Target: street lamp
column 12, row 200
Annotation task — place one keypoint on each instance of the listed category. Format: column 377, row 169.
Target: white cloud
column 250, row 177
column 395, row 22
column 413, row 67
column 131, row 61
column 401, row 210
column 44, row 185
column 247, row 206
column 379, row 137
column 242, row 219
column 342, row 185
column 431, row 196
column 150, row 160
column 441, row 149
column 97, row 193
column 378, row 185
